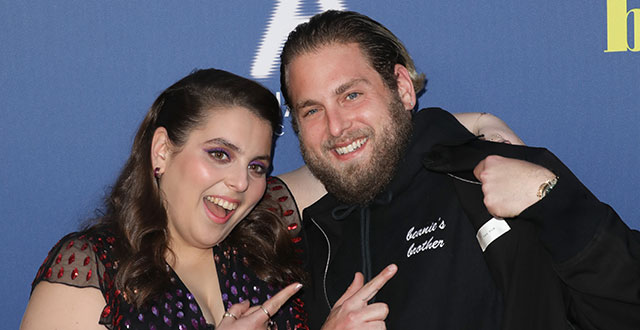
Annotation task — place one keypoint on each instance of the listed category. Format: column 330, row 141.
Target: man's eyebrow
column 305, row 103
column 339, row 90
column 349, row 84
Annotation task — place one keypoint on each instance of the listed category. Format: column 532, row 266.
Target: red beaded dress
column 85, row 259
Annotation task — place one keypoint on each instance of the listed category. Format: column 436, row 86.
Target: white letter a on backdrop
column 286, row 15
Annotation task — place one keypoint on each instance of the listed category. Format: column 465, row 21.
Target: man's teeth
column 352, row 147
column 222, row 203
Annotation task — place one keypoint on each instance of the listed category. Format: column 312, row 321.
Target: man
column 422, row 192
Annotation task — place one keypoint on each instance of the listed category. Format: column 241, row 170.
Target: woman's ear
column 160, row 148
column 405, row 87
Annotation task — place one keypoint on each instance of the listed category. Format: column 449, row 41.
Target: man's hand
column 510, row 185
column 352, row 311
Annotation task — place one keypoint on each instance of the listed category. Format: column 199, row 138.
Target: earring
column 156, row 173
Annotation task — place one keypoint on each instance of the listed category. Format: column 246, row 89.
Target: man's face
column 352, row 128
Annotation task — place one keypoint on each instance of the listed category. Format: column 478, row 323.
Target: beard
column 359, row 183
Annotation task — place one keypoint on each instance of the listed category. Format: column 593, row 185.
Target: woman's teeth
column 222, row 203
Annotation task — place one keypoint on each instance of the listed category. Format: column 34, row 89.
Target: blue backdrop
column 77, row 76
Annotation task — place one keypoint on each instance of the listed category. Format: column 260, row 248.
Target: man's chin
column 348, row 167
column 349, row 183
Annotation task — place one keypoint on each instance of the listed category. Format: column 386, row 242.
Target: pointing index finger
column 370, row 289
column 273, row 305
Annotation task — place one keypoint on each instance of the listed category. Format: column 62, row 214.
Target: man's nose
column 338, row 121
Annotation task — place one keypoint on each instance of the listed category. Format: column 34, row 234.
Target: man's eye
column 352, row 96
column 309, row 112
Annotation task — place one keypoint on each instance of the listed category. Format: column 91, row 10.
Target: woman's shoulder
column 278, row 193
column 79, row 259
column 302, row 185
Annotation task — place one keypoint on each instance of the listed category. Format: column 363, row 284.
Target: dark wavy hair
column 382, row 48
column 135, row 210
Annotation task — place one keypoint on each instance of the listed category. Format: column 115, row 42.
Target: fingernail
column 298, row 286
column 392, row 268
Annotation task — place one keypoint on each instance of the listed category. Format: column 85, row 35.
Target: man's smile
column 355, row 145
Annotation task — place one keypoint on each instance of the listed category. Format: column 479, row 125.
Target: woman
column 164, row 256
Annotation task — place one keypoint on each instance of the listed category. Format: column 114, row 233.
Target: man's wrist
column 546, row 187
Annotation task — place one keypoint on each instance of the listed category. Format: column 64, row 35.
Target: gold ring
column 265, row 311
column 229, row 314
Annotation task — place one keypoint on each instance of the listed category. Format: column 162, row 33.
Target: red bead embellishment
column 87, row 260
column 59, row 258
column 70, row 245
column 106, row 311
column 89, row 275
column 74, row 273
column 72, row 258
column 49, row 273
column 292, row 226
column 110, row 240
column 61, row 272
column 84, row 246
column 296, row 239
column 274, row 188
column 288, row 212
column 283, row 198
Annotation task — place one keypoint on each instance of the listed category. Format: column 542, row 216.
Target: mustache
column 348, row 136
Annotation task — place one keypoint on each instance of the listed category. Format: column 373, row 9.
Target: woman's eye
column 219, row 155
column 258, row 168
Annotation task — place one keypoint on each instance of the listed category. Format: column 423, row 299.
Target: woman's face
column 216, row 178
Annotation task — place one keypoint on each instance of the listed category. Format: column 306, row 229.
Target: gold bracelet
column 546, row 187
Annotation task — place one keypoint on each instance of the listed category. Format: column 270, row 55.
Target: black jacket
column 567, row 262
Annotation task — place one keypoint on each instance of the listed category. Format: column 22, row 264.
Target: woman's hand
column 352, row 310
column 241, row 316
column 490, row 127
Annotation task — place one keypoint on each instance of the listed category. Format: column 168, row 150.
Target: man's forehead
column 336, row 63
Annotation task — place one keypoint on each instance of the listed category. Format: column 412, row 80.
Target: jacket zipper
column 326, row 267
column 366, row 257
